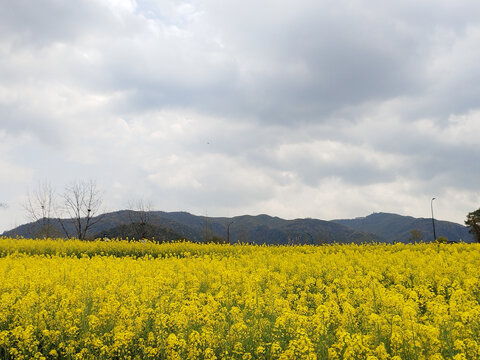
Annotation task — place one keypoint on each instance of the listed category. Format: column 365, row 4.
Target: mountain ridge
column 397, row 228
column 266, row 229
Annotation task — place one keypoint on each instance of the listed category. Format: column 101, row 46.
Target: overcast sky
column 324, row 109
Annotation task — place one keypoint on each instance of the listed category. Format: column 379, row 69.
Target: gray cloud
column 247, row 107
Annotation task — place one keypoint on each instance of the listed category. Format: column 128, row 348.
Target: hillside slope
column 265, row 229
column 260, row 229
column 397, row 228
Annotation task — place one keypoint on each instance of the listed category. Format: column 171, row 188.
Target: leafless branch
column 82, row 203
column 140, row 215
column 40, row 206
column 141, row 211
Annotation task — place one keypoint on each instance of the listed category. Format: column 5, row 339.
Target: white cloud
column 277, row 108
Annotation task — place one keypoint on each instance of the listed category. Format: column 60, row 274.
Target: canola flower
column 121, row 300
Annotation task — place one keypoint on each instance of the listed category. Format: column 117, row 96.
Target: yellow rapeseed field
column 120, row 300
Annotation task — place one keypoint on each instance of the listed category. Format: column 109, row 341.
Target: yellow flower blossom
column 120, row 299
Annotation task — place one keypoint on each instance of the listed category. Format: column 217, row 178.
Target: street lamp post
column 228, row 231
column 433, row 220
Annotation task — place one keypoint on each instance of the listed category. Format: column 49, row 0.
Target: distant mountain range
column 397, row 228
column 261, row 229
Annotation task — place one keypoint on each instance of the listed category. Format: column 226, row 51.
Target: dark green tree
column 415, row 236
column 473, row 222
column 441, row 240
column 217, row 240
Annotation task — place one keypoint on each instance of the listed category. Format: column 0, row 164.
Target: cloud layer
column 315, row 109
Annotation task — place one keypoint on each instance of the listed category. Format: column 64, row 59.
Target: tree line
column 75, row 212
column 80, row 202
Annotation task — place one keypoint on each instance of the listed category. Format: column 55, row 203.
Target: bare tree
column 140, row 216
column 3, row 205
column 82, row 203
column 40, row 206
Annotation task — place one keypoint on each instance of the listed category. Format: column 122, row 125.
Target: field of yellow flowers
column 120, row 300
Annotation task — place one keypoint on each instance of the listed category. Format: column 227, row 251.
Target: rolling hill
column 260, row 229
column 396, row 228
